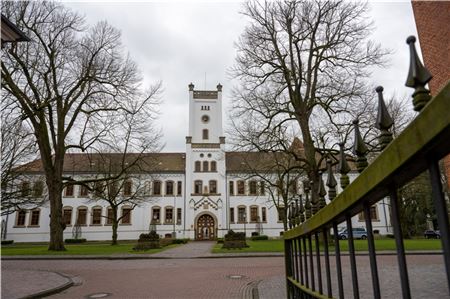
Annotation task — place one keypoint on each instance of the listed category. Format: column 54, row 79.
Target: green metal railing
column 419, row 148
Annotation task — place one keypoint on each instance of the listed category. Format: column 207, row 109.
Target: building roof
column 10, row 32
column 162, row 162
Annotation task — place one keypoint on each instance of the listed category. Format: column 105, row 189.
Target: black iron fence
column 419, row 148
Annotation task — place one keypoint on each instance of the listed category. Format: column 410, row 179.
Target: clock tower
column 205, row 165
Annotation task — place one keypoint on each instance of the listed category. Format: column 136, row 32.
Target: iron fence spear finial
column 343, row 167
column 359, row 148
column 384, row 120
column 418, row 76
column 331, row 181
column 322, row 192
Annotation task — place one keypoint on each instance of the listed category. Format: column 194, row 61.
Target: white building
column 200, row 194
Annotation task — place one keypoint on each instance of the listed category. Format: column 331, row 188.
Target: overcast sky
column 182, row 42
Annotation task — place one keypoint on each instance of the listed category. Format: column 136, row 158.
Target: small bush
column 259, row 238
column 254, row 234
column 390, row 236
column 219, row 240
column 7, row 242
column 180, row 241
column 74, row 241
column 165, row 242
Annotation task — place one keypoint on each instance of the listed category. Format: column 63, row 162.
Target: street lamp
column 245, row 220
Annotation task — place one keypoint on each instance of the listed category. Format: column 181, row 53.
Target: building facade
column 199, row 194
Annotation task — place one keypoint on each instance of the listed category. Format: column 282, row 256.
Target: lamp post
column 245, row 220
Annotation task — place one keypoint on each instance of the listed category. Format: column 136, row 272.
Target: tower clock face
column 205, row 118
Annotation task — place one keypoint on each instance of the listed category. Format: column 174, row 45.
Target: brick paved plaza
column 191, row 271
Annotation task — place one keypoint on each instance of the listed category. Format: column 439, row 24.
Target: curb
column 52, row 291
column 81, row 257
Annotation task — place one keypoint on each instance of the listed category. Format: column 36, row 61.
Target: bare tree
column 299, row 59
column 73, row 84
column 17, row 147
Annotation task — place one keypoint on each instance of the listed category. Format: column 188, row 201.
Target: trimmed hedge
column 259, row 238
column 74, row 241
column 7, row 242
column 180, row 241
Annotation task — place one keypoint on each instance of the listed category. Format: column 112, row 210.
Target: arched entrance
column 206, row 228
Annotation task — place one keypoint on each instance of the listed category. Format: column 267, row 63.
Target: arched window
column 110, row 216
column 156, row 215
column 213, row 166
column 197, row 166
column 205, row 166
column 169, row 215
column 252, row 187
column 169, row 188
column 96, row 216
column 254, row 214
column 205, row 134
column 127, row 188
column 213, row 187
column 81, row 215
column 156, row 188
column 240, row 188
column 67, row 215
column 198, row 187
column 242, row 214
column 38, row 188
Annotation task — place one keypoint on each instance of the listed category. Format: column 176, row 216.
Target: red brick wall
column 433, row 26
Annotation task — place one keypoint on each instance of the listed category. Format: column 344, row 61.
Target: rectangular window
column 213, row 187
column 156, row 215
column 232, row 215
column 110, row 218
column 98, row 189
column 373, row 214
column 241, row 188
column 197, row 166
column 112, row 189
column 198, row 187
column 67, row 215
column 169, row 215
column 21, row 218
column 81, row 218
column 264, row 214
column 179, row 216
column 205, row 134
column 156, row 188
column 253, row 214
column 252, row 188
column 242, row 217
column 34, row 221
column 262, row 186
column 83, row 191
column 293, row 187
column 126, row 216
column 38, row 189
column 169, row 188
column 25, row 189
column 179, row 187
column 231, row 187
column 69, row 191
column 213, row 166
column 97, row 216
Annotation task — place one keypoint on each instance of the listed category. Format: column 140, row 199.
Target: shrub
column 165, row 242
column 7, row 242
column 180, row 241
column 259, row 238
column 74, row 241
column 232, row 236
column 254, row 234
column 390, row 236
column 219, row 240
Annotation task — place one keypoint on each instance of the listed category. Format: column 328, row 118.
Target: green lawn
column 77, row 249
column 360, row 245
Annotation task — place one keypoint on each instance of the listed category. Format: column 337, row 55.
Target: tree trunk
column 115, row 225
column 57, row 225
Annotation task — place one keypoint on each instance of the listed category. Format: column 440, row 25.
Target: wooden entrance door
column 206, row 228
